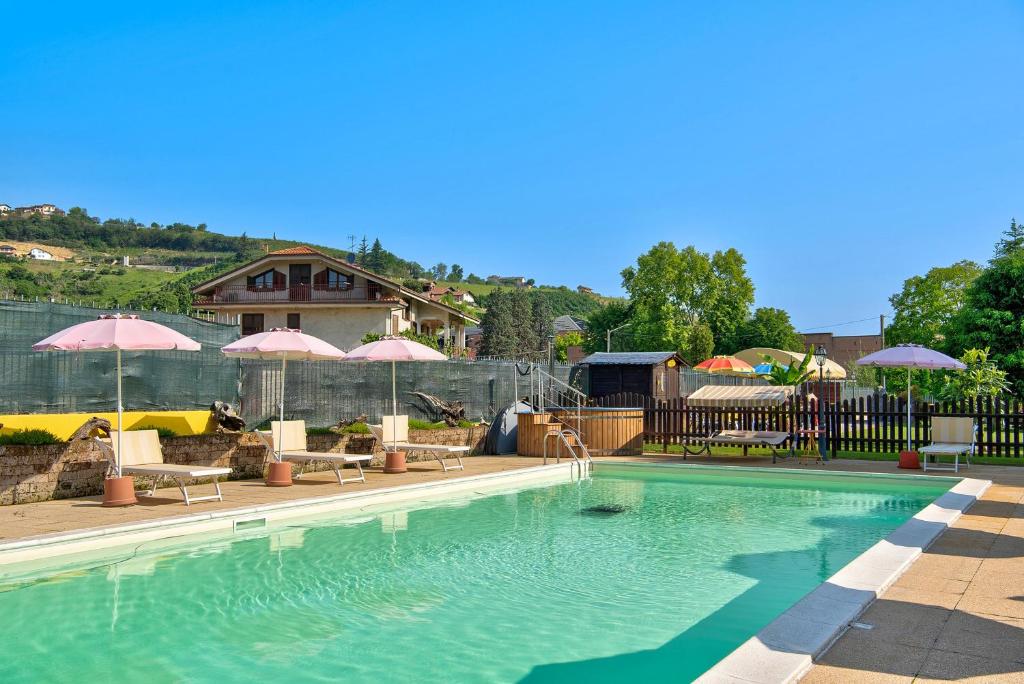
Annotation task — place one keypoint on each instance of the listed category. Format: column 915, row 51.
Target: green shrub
column 467, row 424
column 30, row 438
column 319, row 431
column 417, row 424
column 356, row 429
column 162, row 432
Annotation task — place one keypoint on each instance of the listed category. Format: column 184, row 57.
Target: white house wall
column 342, row 327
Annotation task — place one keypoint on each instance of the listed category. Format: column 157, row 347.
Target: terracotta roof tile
column 301, row 249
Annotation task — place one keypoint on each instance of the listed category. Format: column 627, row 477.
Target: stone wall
column 69, row 469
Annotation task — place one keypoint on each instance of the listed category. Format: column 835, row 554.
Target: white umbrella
column 393, row 348
column 910, row 356
column 117, row 333
column 285, row 344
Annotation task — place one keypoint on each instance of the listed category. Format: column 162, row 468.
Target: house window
column 252, row 323
column 268, row 280
column 294, row 321
column 372, row 290
column 329, row 279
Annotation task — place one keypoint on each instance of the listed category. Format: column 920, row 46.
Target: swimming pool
column 652, row 572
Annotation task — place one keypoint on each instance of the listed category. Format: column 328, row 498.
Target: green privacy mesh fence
column 321, row 393
column 68, row 382
column 324, row 392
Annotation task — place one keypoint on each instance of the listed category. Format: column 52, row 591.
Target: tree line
column 967, row 310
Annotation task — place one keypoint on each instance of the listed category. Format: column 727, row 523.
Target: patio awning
column 739, row 396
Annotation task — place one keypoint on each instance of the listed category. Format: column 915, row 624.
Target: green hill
column 189, row 255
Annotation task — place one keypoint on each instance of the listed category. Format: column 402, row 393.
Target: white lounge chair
column 394, row 436
column 950, row 437
column 293, row 450
column 143, row 456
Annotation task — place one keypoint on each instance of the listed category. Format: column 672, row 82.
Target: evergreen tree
column 522, row 316
column 543, row 322
column 1012, row 241
column 498, row 329
column 376, row 259
column 363, row 251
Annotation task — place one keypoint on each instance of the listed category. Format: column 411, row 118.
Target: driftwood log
column 451, row 412
column 94, row 427
column 342, row 424
column 227, row 419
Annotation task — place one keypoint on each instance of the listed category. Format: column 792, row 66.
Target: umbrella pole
column 120, row 412
column 394, row 410
column 280, row 425
column 908, row 408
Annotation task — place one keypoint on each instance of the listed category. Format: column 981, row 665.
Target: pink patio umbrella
column 288, row 345
column 117, row 333
column 910, row 356
column 393, row 348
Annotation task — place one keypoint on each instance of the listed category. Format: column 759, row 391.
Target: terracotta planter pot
column 394, row 462
column 909, row 460
column 119, row 491
column 279, row 474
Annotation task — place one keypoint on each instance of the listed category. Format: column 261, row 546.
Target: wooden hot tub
column 605, row 431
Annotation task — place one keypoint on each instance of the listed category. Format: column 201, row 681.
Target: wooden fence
column 864, row 424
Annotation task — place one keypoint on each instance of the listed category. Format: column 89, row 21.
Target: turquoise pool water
column 640, row 572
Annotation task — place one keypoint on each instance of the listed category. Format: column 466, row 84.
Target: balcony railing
column 292, row 294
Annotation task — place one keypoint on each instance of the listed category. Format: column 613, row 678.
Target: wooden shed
column 654, row 374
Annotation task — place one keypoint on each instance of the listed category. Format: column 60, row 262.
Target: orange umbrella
column 728, row 365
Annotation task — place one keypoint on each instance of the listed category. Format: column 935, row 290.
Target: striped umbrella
column 726, row 365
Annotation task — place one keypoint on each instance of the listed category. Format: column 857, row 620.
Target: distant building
column 8, row 250
column 40, row 254
column 300, row 287
column 436, row 292
column 569, row 324
column 474, row 338
column 41, row 210
column 583, row 289
column 511, row 281
column 5, row 208
column 844, row 349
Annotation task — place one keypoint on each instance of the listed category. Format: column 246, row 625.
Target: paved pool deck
column 957, row 613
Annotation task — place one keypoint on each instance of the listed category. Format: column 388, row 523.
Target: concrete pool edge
column 785, row 649
column 58, row 545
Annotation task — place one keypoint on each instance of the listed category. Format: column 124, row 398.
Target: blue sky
column 841, row 147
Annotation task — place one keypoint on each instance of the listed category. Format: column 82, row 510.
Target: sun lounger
column 950, row 437
column 142, row 456
column 293, row 450
column 394, row 436
column 744, row 438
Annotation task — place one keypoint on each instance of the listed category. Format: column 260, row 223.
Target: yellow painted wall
column 63, row 425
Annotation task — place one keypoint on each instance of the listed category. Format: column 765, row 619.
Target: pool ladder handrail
column 563, row 435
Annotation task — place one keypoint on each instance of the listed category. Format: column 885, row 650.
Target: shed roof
column 740, row 396
column 629, row 358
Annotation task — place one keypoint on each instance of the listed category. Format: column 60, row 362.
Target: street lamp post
column 608, row 336
column 551, row 355
column 820, row 356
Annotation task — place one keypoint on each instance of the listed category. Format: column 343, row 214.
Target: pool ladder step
column 572, row 442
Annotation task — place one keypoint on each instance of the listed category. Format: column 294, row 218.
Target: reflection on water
column 688, row 568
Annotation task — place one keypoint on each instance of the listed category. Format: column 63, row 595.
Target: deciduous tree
column 927, row 303
column 767, row 327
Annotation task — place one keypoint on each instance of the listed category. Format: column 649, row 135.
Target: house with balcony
column 333, row 299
